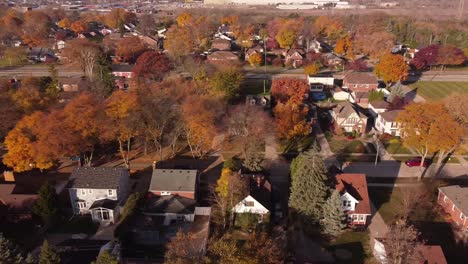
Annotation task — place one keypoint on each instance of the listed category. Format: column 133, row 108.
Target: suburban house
column 377, row 107
column 314, row 46
column 221, row 44
column 355, row 197
column 260, row 100
column 174, row 182
column 295, row 57
column 122, row 70
column 386, row 123
column 332, row 59
column 349, row 117
column 258, row 199
column 339, row 94
column 99, row 192
column 170, row 208
column 255, row 50
column 319, row 82
column 428, row 254
column 454, row 201
column 222, row 57
column 363, row 82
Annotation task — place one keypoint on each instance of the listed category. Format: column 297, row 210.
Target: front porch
column 103, row 211
column 358, row 219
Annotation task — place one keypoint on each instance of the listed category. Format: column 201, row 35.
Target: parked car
column 318, row 96
column 415, row 162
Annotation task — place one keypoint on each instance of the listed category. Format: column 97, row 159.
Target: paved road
column 393, row 169
column 38, row 71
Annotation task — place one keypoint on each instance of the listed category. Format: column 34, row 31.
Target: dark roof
column 222, row 55
column 356, row 186
column 458, row 195
column 391, row 116
column 97, row 178
column 299, row 51
column 345, row 109
column 360, row 78
column 78, row 251
column 260, row 190
column 104, row 203
column 381, row 104
column 122, row 67
column 172, row 204
column 173, row 180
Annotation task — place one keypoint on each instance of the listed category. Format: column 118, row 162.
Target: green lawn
column 435, row 91
column 296, row 144
column 346, row 146
column 355, row 245
column 396, row 148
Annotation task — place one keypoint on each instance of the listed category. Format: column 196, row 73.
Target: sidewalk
column 377, row 227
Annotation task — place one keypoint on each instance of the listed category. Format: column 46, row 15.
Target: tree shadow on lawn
column 348, row 253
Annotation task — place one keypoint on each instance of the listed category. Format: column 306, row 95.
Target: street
column 38, row 70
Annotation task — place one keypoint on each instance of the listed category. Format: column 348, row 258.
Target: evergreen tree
column 53, row 90
column 47, row 204
column 334, row 218
column 310, row 185
column 48, row 255
column 106, row 258
column 10, row 253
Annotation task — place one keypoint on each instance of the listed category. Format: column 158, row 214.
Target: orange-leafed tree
column 184, row 19
column 152, row 65
column 288, row 32
column 255, row 59
column 229, row 20
column 179, row 41
column 428, row 128
column 450, row 55
column 22, row 145
column 313, row 68
column 120, row 109
column 129, row 49
column 391, row 68
column 199, row 115
column 344, row 46
column 291, row 119
column 117, row 17
column 285, row 89
column 64, row 23
column 35, row 28
column 79, row 26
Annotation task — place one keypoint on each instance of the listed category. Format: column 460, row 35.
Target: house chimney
column 259, row 182
column 154, row 165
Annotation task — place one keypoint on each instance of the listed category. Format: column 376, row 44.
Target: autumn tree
column 146, row 24
column 9, row 114
column 35, row 28
column 255, row 59
column 291, row 119
column 428, row 127
column 184, row 19
column 84, row 52
column 330, row 27
column 15, row 55
column 230, row 189
column 313, row 68
column 344, row 46
column 120, row 109
column 357, row 65
column 284, row 89
column 129, row 49
column 425, row 57
column 79, row 26
column 152, row 65
column 117, row 17
column 450, row 56
column 288, row 33
column 179, row 42
column 227, row 80
column 391, row 68
column 64, row 23
column 401, row 244
column 458, row 108
column 374, row 44
column 184, row 248
column 199, row 117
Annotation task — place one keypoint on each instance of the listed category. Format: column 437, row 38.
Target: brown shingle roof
column 458, row 195
column 391, row 116
column 222, row 55
column 356, row 186
column 345, row 109
column 380, row 104
column 432, row 254
column 360, row 78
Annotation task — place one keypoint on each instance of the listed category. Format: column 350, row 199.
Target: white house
column 60, row 45
column 258, row 201
column 318, row 82
column 100, row 192
column 386, row 123
column 170, row 208
column 377, row 107
column 354, row 197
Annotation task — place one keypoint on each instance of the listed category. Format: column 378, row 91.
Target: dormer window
column 83, row 191
column 111, row 192
column 249, row 204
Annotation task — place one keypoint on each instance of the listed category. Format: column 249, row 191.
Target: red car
column 416, row 162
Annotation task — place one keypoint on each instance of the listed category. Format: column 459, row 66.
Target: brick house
column 122, row 70
column 222, row 57
column 454, row 200
column 174, row 182
column 360, row 82
column 355, row 197
column 295, row 57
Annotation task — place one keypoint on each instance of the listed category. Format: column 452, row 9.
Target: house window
column 83, row 191
column 102, row 215
column 344, row 203
column 361, row 218
column 453, row 207
column 355, row 86
column 462, row 216
column 394, row 125
column 111, row 192
column 355, row 217
column 249, row 204
column 90, row 191
column 350, row 218
column 445, row 198
column 81, row 205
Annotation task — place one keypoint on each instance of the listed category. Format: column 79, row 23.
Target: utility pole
column 264, row 65
column 461, row 7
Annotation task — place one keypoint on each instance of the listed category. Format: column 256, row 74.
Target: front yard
column 435, row 91
column 352, row 247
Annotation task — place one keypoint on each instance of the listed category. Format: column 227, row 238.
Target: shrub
column 277, row 62
column 394, row 141
column 230, row 164
column 385, row 137
column 246, row 220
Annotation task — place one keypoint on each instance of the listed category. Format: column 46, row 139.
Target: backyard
column 352, row 247
column 435, row 91
column 250, row 86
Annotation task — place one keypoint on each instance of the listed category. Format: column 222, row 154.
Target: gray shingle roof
column 391, row 116
column 345, row 109
column 97, row 178
column 170, row 204
column 173, row 180
column 104, row 203
column 458, row 195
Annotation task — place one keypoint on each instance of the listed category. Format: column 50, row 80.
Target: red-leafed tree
column 129, row 49
column 152, row 65
column 285, row 89
column 450, row 55
column 291, row 119
column 357, row 65
column 426, row 57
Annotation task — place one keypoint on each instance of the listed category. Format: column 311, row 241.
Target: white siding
column 257, row 208
column 348, row 202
